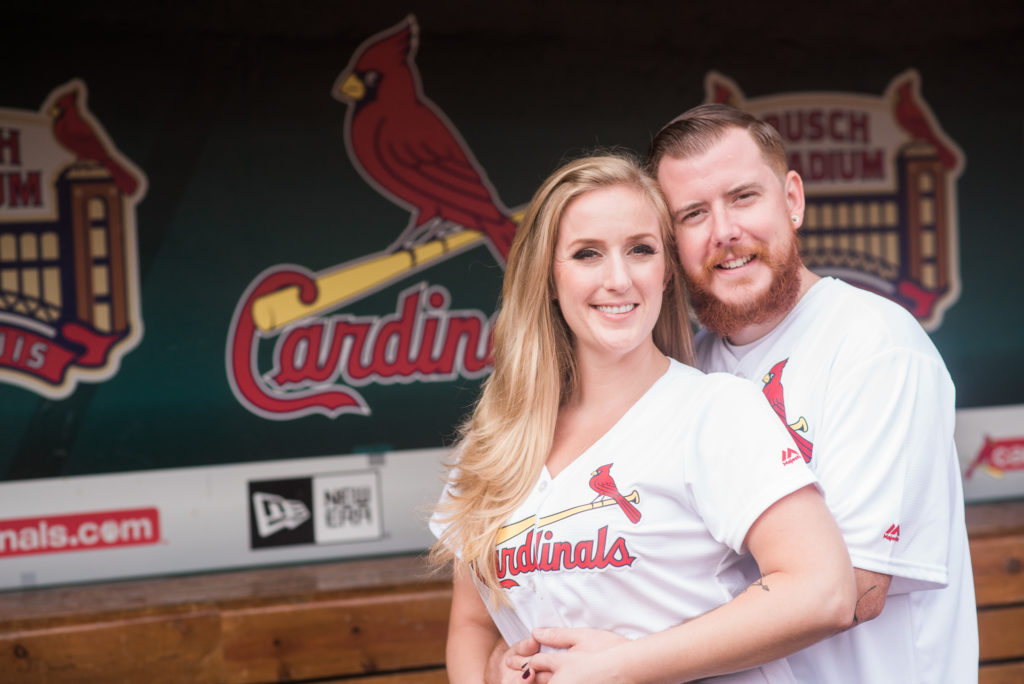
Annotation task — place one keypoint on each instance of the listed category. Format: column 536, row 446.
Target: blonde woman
column 601, row 483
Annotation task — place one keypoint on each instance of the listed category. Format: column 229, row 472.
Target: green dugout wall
column 229, row 337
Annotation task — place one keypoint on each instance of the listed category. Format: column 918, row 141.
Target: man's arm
column 872, row 588
column 807, row 592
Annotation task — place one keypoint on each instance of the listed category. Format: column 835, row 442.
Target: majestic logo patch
column 404, row 147
column 880, row 179
column 69, row 286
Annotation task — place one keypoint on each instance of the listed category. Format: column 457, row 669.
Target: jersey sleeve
column 884, row 463
column 438, row 522
column 743, row 460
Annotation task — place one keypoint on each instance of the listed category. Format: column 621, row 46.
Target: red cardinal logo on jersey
column 75, row 134
column 409, row 151
column 773, row 393
column 601, row 482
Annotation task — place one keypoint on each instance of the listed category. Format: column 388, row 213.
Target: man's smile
column 735, row 262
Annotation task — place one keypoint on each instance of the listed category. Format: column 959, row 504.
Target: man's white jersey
column 867, row 398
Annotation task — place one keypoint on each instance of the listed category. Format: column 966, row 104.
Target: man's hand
column 872, row 588
column 578, row 646
column 577, row 639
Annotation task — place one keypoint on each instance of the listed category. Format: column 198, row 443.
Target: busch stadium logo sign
column 406, row 149
column 880, row 177
column 69, row 292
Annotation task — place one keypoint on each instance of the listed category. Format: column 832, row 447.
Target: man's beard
column 725, row 319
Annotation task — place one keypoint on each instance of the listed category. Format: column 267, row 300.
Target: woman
column 601, row 483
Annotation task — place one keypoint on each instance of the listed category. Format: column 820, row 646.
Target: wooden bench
column 997, row 553
column 380, row 621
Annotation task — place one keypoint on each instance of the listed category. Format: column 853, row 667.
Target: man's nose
column 724, row 228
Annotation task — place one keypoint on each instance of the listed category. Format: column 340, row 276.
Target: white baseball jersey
column 643, row 530
column 871, row 405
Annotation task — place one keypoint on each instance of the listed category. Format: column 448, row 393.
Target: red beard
column 725, row 319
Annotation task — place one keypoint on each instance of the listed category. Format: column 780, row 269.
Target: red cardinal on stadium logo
column 408, row 150
column 602, row 483
column 75, row 134
column 911, row 114
column 773, row 393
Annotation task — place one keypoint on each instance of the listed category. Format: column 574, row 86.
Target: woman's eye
column 585, row 253
column 643, row 249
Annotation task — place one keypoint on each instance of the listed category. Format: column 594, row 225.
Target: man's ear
column 794, row 189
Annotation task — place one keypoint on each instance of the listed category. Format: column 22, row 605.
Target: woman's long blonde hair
column 506, row 441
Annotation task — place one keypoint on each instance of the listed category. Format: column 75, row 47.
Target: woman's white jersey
column 645, row 528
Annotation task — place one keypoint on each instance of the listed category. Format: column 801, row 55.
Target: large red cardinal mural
column 407, row 149
column 77, row 135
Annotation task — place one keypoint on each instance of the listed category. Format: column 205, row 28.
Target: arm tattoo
column 856, row 619
column 760, row 583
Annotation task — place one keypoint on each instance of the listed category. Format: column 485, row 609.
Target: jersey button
column 542, row 486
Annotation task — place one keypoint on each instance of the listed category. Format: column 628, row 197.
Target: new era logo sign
column 893, row 533
column 280, row 512
column 274, row 513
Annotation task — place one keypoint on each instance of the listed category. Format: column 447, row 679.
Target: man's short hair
column 698, row 129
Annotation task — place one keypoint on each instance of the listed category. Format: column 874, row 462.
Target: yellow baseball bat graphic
column 349, row 281
column 517, row 528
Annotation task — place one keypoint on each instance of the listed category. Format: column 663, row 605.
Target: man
column 867, row 397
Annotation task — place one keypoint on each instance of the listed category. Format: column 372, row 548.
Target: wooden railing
column 380, row 621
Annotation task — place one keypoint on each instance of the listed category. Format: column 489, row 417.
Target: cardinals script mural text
column 409, row 152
